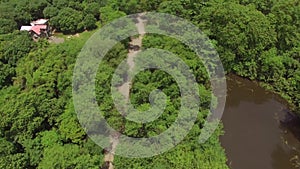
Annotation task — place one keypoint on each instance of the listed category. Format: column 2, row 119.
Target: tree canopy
column 39, row 127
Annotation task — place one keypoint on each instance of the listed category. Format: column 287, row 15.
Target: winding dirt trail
column 136, row 44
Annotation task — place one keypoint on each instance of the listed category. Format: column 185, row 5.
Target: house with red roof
column 39, row 28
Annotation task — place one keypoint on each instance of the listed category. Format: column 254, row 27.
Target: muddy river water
column 259, row 131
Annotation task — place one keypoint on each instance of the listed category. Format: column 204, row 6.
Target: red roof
column 37, row 28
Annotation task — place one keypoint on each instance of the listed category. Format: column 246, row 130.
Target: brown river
column 259, row 131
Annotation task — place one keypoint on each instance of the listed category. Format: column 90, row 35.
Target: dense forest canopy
column 259, row 40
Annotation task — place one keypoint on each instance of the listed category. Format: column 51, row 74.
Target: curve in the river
column 255, row 137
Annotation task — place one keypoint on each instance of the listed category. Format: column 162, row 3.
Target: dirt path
column 56, row 40
column 136, row 44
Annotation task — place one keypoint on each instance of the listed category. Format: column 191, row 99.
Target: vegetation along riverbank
column 257, row 40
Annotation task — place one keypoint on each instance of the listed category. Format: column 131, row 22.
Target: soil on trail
column 136, row 44
column 56, row 40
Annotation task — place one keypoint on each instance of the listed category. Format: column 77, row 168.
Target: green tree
column 263, row 6
column 7, row 25
column 69, row 126
column 69, row 156
column 93, row 9
column 242, row 33
column 50, row 12
column 13, row 161
column 60, row 3
column 13, row 47
column 89, row 22
column 287, row 22
column 272, row 67
column 108, row 14
column 68, row 20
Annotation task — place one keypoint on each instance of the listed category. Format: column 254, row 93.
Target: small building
column 39, row 28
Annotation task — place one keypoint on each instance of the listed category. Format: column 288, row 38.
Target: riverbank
column 255, row 136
